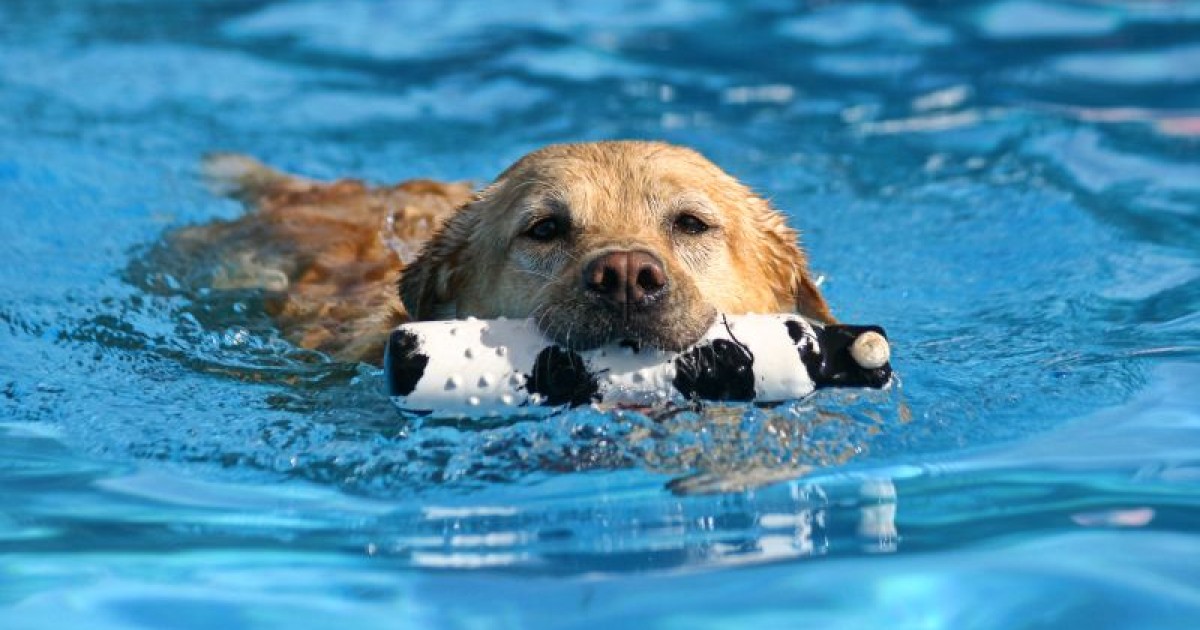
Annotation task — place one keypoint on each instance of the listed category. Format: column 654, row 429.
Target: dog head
column 603, row 242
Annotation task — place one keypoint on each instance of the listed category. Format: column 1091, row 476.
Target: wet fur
column 330, row 255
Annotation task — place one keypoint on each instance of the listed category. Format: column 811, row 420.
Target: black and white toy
column 502, row 367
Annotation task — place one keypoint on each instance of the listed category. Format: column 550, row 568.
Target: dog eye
column 546, row 229
column 690, row 224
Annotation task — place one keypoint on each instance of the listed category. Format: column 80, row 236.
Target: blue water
column 1012, row 188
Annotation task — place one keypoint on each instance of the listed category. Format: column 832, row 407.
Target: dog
column 597, row 242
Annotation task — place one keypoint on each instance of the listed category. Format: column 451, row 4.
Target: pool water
column 1011, row 188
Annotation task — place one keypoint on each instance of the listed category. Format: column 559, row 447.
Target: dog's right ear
column 429, row 283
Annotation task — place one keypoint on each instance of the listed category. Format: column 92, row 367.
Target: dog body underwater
column 597, row 242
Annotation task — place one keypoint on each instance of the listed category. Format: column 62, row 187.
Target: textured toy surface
column 506, row 367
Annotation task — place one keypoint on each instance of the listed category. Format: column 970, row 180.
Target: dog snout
column 626, row 278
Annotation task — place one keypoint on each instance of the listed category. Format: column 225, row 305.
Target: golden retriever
column 598, row 242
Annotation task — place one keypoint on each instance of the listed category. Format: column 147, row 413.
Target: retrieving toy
column 505, row 367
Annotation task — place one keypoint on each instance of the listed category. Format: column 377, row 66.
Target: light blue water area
column 1012, row 188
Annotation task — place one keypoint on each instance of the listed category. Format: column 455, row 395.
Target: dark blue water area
column 1011, row 188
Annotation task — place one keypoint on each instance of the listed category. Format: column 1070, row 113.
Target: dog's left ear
column 788, row 263
column 809, row 301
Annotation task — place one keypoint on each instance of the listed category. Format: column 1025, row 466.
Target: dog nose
column 626, row 277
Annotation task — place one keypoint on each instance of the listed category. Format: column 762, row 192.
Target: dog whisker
column 538, row 274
